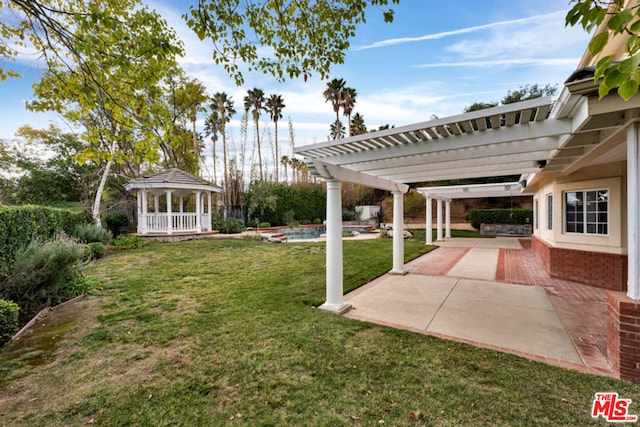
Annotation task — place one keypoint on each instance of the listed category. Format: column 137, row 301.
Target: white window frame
column 585, row 212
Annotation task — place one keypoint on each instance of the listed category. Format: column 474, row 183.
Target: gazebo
column 173, row 201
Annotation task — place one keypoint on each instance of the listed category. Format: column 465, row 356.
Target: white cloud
column 436, row 36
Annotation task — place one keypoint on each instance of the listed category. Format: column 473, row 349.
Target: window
column 535, row 214
column 587, row 212
column 549, row 211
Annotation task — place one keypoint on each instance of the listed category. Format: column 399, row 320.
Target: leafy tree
column 614, row 19
column 125, row 51
column 274, row 106
column 254, row 102
column 304, row 37
column 527, row 92
column 46, row 160
column 261, row 200
column 480, row 106
column 523, row 93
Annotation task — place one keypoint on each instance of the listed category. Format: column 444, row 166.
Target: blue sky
column 435, row 58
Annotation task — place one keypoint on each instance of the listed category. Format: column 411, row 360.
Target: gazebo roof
column 172, row 179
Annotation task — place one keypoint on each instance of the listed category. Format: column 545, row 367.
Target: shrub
column 117, row 223
column 317, row 221
column 289, row 217
column 348, row 215
column 500, row 216
column 19, row 225
column 252, row 236
column 128, row 242
column 8, row 320
column 265, row 225
column 41, row 273
column 95, row 250
column 229, row 226
column 81, row 286
column 90, row 233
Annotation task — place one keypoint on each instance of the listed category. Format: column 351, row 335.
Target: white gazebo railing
column 180, row 222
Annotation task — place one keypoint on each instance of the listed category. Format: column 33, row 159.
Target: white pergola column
column 633, row 211
column 198, row 213
column 398, row 234
column 335, row 301
column 439, row 219
column 447, row 216
column 429, row 224
column 169, row 213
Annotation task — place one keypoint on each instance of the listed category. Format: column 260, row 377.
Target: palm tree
column 211, row 129
column 336, row 130
column 222, row 104
column 285, row 162
column 357, row 125
column 295, row 168
column 274, row 107
column 348, row 102
column 333, row 93
column 253, row 101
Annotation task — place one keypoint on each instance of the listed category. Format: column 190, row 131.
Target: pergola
column 514, row 139
column 451, row 192
column 174, row 185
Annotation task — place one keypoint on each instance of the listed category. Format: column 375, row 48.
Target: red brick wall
column 623, row 336
column 607, row 271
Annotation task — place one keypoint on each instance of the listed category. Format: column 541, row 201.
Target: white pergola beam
column 542, row 135
column 345, row 175
column 538, row 151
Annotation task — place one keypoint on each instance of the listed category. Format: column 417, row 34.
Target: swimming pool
column 315, row 232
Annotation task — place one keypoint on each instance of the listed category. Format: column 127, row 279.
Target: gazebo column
column 143, row 218
column 447, row 215
column 398, row 234
column 169, row 213
column 439, row 219
column 429, row 224
column 334, row 286
column 210, row 225
column 139, row 207
column 198, row 213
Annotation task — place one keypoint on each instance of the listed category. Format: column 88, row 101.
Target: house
column 579, row 159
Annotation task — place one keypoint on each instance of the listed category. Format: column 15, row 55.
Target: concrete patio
column 492, row 293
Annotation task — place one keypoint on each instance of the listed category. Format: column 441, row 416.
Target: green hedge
column 500, row 216
column 19, row 225
column 8, row 320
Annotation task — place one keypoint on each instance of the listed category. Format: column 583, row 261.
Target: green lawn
column 220, row 332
